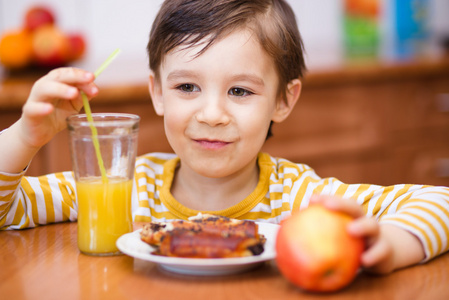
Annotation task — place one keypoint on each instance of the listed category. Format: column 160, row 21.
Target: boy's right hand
column 53, row 98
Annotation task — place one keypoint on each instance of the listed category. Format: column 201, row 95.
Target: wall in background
column 110, row 24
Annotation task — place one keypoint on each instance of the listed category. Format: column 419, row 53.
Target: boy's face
column 217, row 107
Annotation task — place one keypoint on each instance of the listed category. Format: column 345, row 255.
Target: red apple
column 315, row 252
column 50, row 46
column 38, row 16
column 77, row 46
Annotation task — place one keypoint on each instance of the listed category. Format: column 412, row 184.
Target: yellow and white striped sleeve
column 425, row 213
column 31, row 201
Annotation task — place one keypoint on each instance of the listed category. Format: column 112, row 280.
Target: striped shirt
column 283, row 187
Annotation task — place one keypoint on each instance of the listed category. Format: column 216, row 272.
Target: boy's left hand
column 387, row 247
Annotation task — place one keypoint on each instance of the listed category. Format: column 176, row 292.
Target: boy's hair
column 188, row 23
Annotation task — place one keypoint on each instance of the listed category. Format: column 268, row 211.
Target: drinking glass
column 103, row 160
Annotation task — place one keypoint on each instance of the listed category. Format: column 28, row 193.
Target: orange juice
column 104, row 214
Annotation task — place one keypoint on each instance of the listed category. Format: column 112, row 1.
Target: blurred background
column 374, row 106
column 333, row 30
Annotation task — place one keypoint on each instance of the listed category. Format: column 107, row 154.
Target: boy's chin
column 217, row 167
column 211, row 171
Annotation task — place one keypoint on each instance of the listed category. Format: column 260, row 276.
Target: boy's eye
column 188, row 88
column 239, row 92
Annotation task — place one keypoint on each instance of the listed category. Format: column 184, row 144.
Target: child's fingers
column 91, row 89
column 64, row 83
column 347, row 206
column 379, row 252
column 45, row 90
column 72, row 76
column 37, row 109
column 364, row 227
column 78, row 78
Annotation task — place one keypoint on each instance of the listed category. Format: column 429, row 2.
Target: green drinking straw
column 91, row 120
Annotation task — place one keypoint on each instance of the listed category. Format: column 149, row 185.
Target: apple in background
column 50, row 46
column 40, row 42
column 77, row 46
column 38, row 16
column 315, row 251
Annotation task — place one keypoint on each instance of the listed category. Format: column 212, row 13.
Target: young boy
column 221, row 72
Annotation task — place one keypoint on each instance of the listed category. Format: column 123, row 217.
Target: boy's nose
column 213, row 112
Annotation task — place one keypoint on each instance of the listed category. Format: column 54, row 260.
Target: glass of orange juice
column 103, row 164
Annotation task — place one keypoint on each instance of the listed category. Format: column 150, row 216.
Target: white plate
column 131, row 245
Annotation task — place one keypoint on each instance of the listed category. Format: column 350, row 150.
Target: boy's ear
column 285, row 106
column 155, row 89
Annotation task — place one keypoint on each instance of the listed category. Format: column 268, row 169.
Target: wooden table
column 44, row 263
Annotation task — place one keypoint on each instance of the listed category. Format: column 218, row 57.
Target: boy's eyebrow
column 176, row 74
column 248, row 77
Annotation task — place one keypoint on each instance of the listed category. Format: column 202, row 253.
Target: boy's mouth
column 211, row 144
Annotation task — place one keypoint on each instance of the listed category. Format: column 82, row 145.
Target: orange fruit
column 16, row 49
